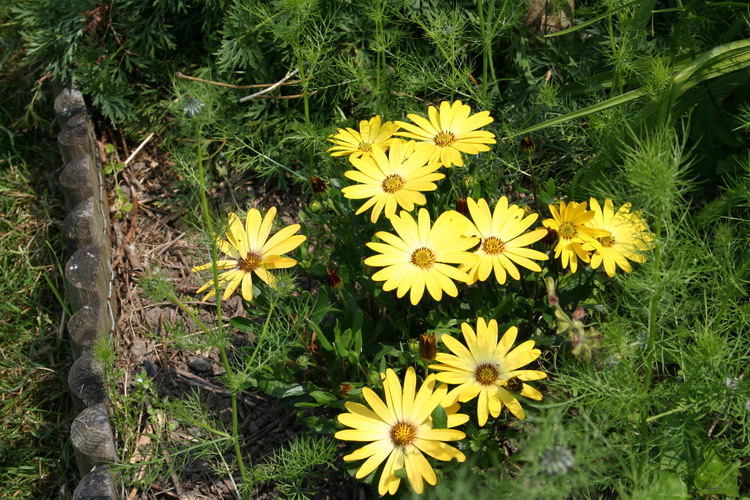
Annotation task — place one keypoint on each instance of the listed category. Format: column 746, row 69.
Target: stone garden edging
column 88, row 276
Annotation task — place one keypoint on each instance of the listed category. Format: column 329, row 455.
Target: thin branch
column 140, row 146
column 264, row 91
column 229, row 85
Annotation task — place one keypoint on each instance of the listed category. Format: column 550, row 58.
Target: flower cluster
column 393, row 165
column 403, row 428
column 598, row 236
column 391, row 172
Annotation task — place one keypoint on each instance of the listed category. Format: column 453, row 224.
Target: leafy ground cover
column 623, row 340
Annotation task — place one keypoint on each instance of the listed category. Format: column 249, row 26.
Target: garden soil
column 153, row 235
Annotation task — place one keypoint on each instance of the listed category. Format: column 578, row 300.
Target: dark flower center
column 393, row 183
column 492, row 246
column 486, row 374
column 444, row 139
column 403, row 433
column 567, row 230
column 423, row 258
column 607, row 241
column 251, row 262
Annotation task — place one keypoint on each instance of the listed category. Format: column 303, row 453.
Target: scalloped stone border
column 88, row 276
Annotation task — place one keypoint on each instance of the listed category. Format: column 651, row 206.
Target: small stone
column 149, row 367
column 153, row 316
column 200, row 364
column 138, row 349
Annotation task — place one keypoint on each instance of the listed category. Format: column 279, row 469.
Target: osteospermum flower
column 358, row 144
column 250, row 250
column 569, row 222
column 450, row 132
column 400, row 431
column 488, row 370
column 628, row 237
column 503, row 241
column 397, row 179
column 420, row 256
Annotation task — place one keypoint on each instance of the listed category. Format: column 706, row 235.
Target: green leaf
column 343, row 342
column 439, row 418
column 581, row 113
column 667, row 486
column 109, row 149
column 323, row 397
column 321, row 306
column 716, row 476
column 243, row 324
column 324, row 342
column 281, row 390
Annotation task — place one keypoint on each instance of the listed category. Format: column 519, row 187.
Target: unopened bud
column 332, row 278
column 318, row 185
column 514, row 384
column 550, row 238
column 428, row 347
column 315, row 206
column 344, row 389
column 461, row 206
column 549, row 283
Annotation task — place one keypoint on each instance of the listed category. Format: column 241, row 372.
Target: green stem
column 220, row 339
column 486, row 48
column 589, row 280
column 306, row 99
column 380, row 53
column 263, row 332
column 616, row 84
column 184, row 308
column 652, row 313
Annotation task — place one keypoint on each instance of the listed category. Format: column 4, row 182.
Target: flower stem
column 220, row 339
column 486, row 48
column 652, row 313
column 306, row 98
column 271, row 308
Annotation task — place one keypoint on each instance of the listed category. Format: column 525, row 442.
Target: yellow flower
column 628, row 236
column 250, row 250
column 400, row 431
column 359, row 144
column 393, row 180
column 503, row 241
column 450, row 132
column 420, row 255
column 488, row 370
column 570, row 224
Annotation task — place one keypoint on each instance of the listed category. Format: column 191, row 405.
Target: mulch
column 152, row 235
